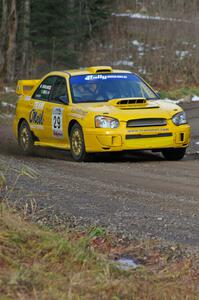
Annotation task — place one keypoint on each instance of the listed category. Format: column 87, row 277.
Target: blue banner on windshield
column 102, row 77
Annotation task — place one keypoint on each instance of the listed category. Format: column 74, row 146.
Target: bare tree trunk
column 3, row 35
column 71, row 7
column 11, row 50
column 26, row 39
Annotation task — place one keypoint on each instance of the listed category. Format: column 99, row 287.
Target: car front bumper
column 103, row 140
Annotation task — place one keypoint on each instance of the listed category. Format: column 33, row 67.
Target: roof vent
column 100, row 69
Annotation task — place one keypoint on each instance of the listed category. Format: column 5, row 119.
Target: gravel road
column 141, row 196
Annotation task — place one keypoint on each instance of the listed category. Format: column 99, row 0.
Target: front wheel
column 174, row 154
column 25, row 138
column 77, row 145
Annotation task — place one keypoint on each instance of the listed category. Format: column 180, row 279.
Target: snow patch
column 147, row 17
column 6, row 116
column 8, row 89
column 195, row 98
column 142, row 70
column 157, row 48
column 123, row 63
column 183, row 100
column 172, row 101
column 182, row 54
column 7, row 105
column 140, row 46
column 136, row 43
column 126, row 264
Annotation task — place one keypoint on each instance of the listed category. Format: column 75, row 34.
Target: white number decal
column 57, row 124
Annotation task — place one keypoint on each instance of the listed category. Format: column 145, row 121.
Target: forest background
column 159, row 39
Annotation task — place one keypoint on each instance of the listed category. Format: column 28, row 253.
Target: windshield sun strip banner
column 102, row 77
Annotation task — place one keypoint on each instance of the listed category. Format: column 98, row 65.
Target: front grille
column 140, row 136
column 146, row 122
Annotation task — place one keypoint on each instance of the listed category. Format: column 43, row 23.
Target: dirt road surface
column 142, row 196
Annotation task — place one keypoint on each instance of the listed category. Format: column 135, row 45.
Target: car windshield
column 104, row 87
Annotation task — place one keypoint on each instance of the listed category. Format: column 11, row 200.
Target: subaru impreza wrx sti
column 98, row 109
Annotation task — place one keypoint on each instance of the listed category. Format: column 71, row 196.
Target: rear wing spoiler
column 25, row 87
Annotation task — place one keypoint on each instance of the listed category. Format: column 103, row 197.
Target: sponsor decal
column 36, row 117
column 57, row 122
column 148, row 130
column 46, row 87
column 45, row 92
column 27, row 98
column 39, row 105
column 78, row 111
column 104, row 77
column 37, row 127
column 76, row 116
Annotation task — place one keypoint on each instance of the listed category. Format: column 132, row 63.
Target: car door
column 56, row 112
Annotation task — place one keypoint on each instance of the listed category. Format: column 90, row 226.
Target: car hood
column 124, row 109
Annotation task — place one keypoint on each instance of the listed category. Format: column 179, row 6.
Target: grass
column 179, row 93
column 38, row 263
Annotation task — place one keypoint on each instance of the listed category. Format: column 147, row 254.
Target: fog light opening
column 181, row 137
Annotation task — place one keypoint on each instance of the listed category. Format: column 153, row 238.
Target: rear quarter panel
column 22, row 112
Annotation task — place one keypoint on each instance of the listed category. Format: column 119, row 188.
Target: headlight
column 179, row 118
column 106, row 122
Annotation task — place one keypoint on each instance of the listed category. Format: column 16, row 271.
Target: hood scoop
column 132, row 103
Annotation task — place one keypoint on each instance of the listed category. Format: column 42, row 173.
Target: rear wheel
column 174, row 154
column 25, row 138
column 77, row 145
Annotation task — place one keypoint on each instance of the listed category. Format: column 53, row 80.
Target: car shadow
column 10, row 147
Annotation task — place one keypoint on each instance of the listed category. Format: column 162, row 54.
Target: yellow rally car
column 98, row 109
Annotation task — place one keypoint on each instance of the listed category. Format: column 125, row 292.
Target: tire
column 174, row 154
column 25, row 139
column 77, row 145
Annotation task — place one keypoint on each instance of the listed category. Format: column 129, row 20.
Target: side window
column 59, row 91
column 44, row 90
